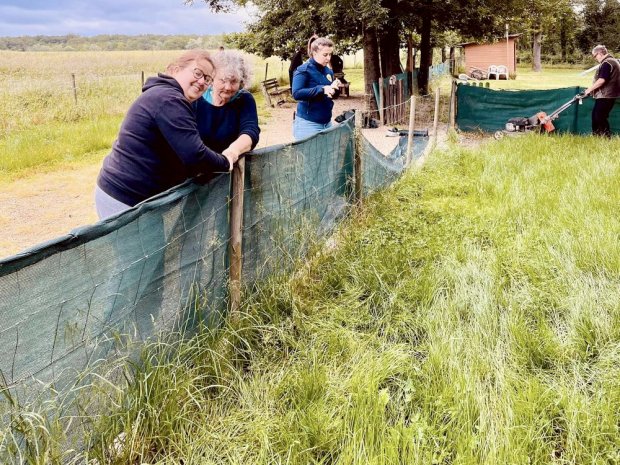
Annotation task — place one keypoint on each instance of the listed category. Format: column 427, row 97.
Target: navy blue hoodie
column 158, row 145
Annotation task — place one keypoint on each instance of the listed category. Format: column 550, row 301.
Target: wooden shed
column 482, row 56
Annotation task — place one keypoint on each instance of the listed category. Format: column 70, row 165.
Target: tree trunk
column 389, row 45
column 410, row 60
column 536, row 47
column 371, row 65
column 443, row 54
column 426, row 55
column 563, row 38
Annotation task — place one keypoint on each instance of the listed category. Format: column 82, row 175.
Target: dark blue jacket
column 158, row 145
column 221, row 126
column 312, row 103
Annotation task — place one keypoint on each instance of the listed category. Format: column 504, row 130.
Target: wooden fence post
column 236, row 237
column 436, row 116
column 359, row 119
column 452, row 121
column 74, row 88
column 266, row 68
column 410, row 134
column 381, row 100
column 142, row 80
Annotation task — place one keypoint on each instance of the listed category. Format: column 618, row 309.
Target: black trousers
column 600, row 116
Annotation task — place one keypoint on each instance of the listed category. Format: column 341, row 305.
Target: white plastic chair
column 498, row 71
column 502, row 70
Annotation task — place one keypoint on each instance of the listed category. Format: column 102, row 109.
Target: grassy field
column 469, row 315
column 46, row 122
column 548, row 78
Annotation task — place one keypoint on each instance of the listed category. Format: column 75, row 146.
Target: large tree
column 601, row 20
column 377, row 26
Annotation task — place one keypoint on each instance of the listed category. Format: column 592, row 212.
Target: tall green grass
column 468, row 315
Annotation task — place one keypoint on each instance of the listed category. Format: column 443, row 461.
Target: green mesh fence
column 488, row 110
column 292, row 193
column 69, row 303
column 379, row 171
column 64, row 304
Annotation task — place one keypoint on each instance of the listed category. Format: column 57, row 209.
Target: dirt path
column 45, row 206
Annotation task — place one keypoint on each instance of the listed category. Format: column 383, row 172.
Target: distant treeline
column 74, row 42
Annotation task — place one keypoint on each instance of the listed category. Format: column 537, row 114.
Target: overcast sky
column 132, row 17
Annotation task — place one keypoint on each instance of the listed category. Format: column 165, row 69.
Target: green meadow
column 468, row 314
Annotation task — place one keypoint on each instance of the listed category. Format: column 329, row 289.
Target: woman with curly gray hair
column 226, row 113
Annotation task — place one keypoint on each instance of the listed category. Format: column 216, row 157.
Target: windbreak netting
column 70, row 304
column 67, row 304
column 482, row 109
column 379, row 170
column 294, row 193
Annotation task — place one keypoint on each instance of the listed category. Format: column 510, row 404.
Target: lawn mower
column 541, row 121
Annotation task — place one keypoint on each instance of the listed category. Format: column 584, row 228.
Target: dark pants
column 600, row 116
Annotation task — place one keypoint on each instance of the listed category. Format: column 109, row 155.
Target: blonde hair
column 189, row 57
column 321, row 42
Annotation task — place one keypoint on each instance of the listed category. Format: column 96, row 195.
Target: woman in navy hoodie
column 314, row 87
column 158, row 145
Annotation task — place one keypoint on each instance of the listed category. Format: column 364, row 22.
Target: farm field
column 469, row 314
column 54, row 133
column 72, row 115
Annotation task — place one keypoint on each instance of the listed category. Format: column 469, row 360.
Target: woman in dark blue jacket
column 314, row 87
column 226, row 113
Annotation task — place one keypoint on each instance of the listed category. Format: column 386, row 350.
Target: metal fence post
column 436, row 116
column 381, row 100
column 452, row 118
column 74, row 88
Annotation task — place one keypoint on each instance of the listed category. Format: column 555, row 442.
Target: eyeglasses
column 199, row 74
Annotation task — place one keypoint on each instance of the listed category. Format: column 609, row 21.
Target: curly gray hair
column 233, row 64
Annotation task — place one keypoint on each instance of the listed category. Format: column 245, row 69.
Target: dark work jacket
column 158, row 145
column 611, row 88
column 312, row 103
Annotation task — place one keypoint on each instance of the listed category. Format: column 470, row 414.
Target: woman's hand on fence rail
column 232, row 155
